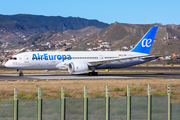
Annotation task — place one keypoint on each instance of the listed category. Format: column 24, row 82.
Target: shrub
column 134, row 89
column 158, row 90
column 125, row 92
column 35, row 94
column 117, row 89
column 66, row 94
column 140, row 89
column 172, row 92
column 121, row 89
column 28, row 97
column 156, row 93
column 20, row 96
column 164, row 93
column 98, row 95
column 59, row 95
column 43, row 93
column 80, row 93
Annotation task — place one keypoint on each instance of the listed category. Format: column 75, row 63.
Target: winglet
column 145, row 44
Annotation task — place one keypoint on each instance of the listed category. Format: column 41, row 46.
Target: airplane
column 79, row 62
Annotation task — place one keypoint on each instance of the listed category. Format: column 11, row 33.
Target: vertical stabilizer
column 145, row 44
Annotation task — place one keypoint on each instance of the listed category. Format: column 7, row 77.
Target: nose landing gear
column 20, row 72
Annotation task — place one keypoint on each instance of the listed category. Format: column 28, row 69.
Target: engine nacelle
column 77, row 67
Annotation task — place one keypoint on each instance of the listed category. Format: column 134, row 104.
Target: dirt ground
column 96, row 88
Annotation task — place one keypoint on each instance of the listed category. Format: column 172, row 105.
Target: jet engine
column 77, row 67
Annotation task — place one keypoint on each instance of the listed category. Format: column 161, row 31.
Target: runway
column 61, row 77
column 85, row 76
column 100, row 76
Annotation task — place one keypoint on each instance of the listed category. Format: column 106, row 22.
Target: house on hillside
column 125, row 48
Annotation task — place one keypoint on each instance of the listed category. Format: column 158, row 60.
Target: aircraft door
column 101, row 57
column 26, row 59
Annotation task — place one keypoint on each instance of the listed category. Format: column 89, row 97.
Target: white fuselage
column 57, row 60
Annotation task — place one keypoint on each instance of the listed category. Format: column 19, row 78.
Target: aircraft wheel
column 93, row 73
column 20, row 74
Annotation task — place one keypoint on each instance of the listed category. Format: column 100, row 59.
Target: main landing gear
column 20, row 72
column 93, row 73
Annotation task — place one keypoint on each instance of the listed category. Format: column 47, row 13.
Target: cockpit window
column 13, row 58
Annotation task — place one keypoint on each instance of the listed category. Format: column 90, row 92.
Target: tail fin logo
column 146, row 42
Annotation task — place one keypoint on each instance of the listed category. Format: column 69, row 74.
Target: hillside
column 167, row 39
column 177, row 27
column 70, row 37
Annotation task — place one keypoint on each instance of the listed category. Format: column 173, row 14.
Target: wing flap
column 106, row 61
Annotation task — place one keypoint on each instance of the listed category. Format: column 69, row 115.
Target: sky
column 107, row 11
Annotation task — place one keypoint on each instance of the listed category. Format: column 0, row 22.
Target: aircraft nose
column 6, row 64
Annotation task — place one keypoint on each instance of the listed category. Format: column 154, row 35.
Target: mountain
column 30, row 24
column 51, row 36
column 167, row 39
column 79, row 33
column 177, row 27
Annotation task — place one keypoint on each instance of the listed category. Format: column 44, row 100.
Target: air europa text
column 51, row 57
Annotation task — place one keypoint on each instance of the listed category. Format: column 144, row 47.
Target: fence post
column 39, row 104
column 128, row 103
column 107, row 102
column 169, row 101
column 149, row 102
column 62, row 104
column 15, row 104
column 85, row 103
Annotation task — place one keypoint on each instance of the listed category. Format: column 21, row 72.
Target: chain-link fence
column 74, row 109
column 150, row 107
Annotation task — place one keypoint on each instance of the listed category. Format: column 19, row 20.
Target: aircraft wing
column 105, row 61
column 151, row 56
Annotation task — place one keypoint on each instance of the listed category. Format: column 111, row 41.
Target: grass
column 96, row 95
column 117, row 89
column 51, row 89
